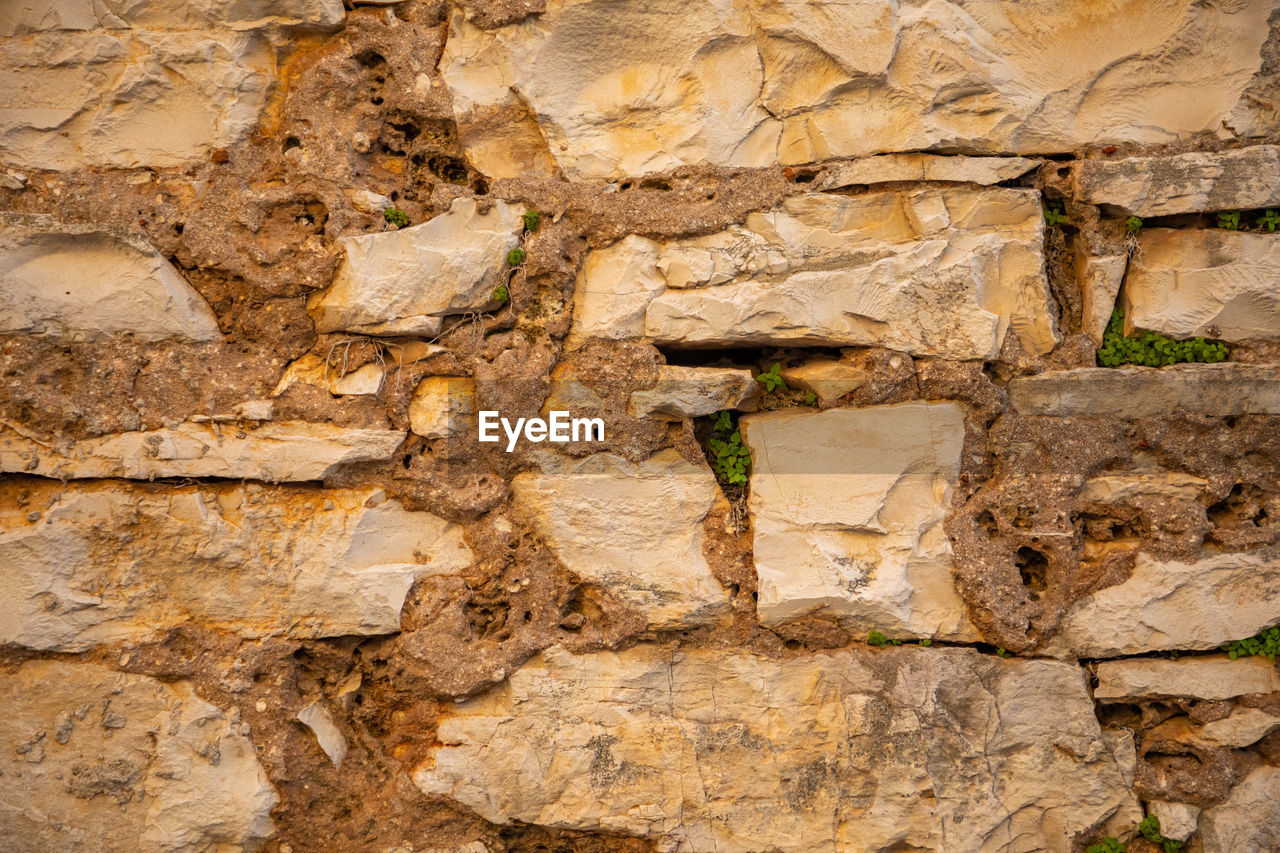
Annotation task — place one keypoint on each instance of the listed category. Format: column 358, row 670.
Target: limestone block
column 34, row 16
column 887, row 168
column 92, row 759
column 1216, row 390
column 275, row 452
column 1242, row 727
column 1100, row 277
column 706, row 750
column 1183, row 183
column 622, row 89
column 1249, row 820
column 827, row 378
column 100, row 564
column 80, row 282
column 691, row 392
column 847, row 507
column 1212, row 677
column 441, row 406
column 1177, row 820
column 945, row 272
column 403, row 282
column 633, row 528
column 324, row 373
column 1217, row 284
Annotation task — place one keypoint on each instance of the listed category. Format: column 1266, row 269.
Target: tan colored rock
column 404, row 282
column 706, row 750
column 324, row 373
column 827, row 378
column 442, row 405
column 633, row 528
column 889, row 168
column 1249, row 820
column 945, row 272
column 1198, row 181
column 334, row 744
column 141, row 84
column 100, row 564
column 276, row 452
column 1117, row 488
column 1177, row 820
column 81, row 282
column 1242, row 727
column 1217, row 284
column 1216, row 390
column 1100, row 277
column 847, row 507
column 691, row 392
column 92, row 759
column 618, row 89
column 1212, row 677
column 1168, row 605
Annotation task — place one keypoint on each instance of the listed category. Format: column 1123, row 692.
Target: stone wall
column 263, row 266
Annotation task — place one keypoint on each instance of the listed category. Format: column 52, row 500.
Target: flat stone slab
column 1217, row 390
column 692, row 392
column 1240, row 179
column 1213, row 677
column 890, row 168
column 906, row 748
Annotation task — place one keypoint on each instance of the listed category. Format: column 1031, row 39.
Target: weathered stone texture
column 442, row 406
column 92, row 759
column 700, row 750
column 935, row 272
column 891, row 168
column 1215, row 390
column 691, row 392
column 1217, row 284
column 1213, row 677
column 101, row 564
column 1185, row 183
column 617, row 89
column 847, row 508
column 1249, row 821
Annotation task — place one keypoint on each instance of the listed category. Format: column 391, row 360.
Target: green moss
column 1152, row 348
column 875, row 638
column 501, row 294
column 515, row 257
column 1107, row 845
column 531, row 219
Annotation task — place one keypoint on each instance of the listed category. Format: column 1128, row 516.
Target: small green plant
column 1269, row 220
column 1149, row 829
column 731, row 459
column 1110, row 844
column 875, row 638
column 1264, row 644
column 811, row 399
column 1002, row 652
column 1054, row 214
column 501, row 294
column 1133, row 224
column 395, row 216
column 772, row 379
column 1152, row 348
column 927, row 641
column 515, row 257
column 531, row 219
column 1229, row 219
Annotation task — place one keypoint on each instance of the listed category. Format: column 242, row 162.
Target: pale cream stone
column 92, row 759
column 104, row 564
column 1166, row 605
column 1182, row 183
column 1177, row 820
column 947, row 272
column 275, row 452
column 633, row 528
column 80, row 282
column 1249, row 820
column 1212, row 677
column 1241, row 728
column 1100, row 277
column 334, row 744
column 442, row 405
column 1216, row 390
column 847, row 508
column 827, row 378
column 889, row 168
column 1116, row 488
column 327, row 374
column 1212, row 283
column 699, row 749
column 404, row 282
column 691, row 392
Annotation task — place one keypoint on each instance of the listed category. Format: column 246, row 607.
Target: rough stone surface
column 691, row 392
column 1100, row 277
column 1169, row 604
column 404, row 282
column 1216, row 390
column 1213, row 677
column 1187, row 183
column 734, row 752
column 830, row 380
column 847, row 508
column 891, row 168
column 1177, row 820
column 79, row 282
column 323, row 373
column 274, row 452
column 597, row 515
column 1217, row 284
column 618, row 90
column 442, row 405
column 1241, row 728
column 92, row 759
column 1250, row 818
column 937, row 272
column 98, row 564
column 139, row 84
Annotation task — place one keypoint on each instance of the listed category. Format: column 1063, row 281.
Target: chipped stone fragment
column 827, row 378
column 315, row 717
column 323, row 373
column 691, row 392
column 1100, row 277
